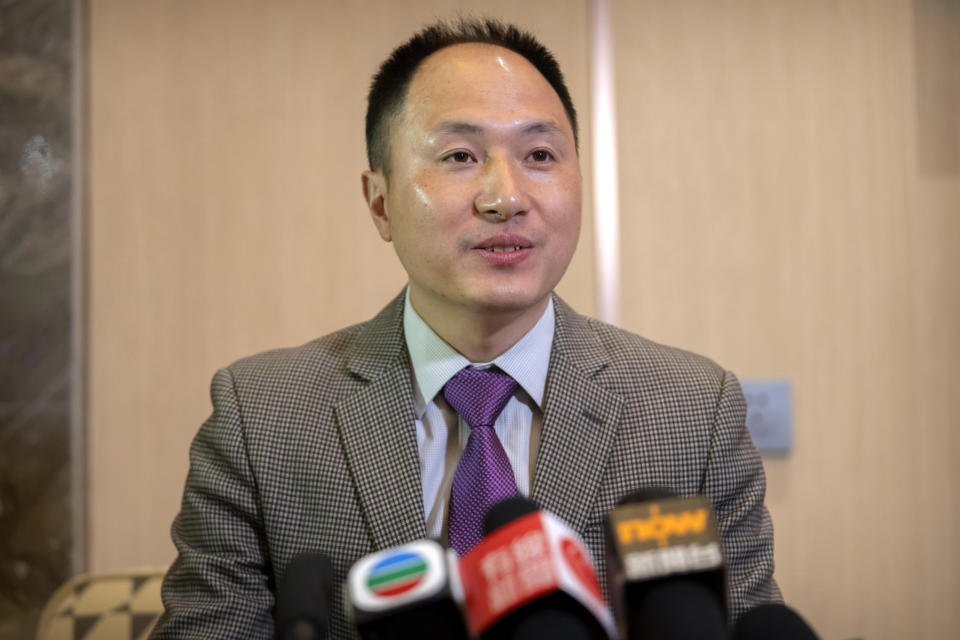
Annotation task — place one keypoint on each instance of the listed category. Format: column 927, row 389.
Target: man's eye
column 540, row 155
column 459, row 156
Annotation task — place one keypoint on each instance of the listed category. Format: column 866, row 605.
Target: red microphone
column 532, row 577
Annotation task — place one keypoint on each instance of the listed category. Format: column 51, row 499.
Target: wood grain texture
column 788, row 207
column 776, row 216
column 226, row 216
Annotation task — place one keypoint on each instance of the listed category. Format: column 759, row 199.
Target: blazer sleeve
column 220, row 585
column 735, row 481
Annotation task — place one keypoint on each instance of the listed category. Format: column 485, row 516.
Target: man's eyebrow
column 454, row 127
column 544, row 126
column 458, row 127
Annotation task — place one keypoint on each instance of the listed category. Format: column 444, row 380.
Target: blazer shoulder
column 318, row 367
column 330, row 348
column 633, row 359
column 329, row 364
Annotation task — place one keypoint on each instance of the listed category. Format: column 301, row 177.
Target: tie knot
column 479, row 395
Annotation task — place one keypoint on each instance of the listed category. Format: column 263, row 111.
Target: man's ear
column 375, row 193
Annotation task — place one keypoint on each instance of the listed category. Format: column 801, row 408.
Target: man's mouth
column 504, row 249
column 504, row 243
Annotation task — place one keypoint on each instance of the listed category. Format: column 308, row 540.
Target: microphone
column 303, row 598
column 772, row 622
column 666, row 572
column 678, row 609
column 407, row 592
column 532, row 577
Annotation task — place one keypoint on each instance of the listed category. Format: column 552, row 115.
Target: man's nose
column 502, row 191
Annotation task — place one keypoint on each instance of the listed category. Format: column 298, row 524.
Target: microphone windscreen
column 772, row 622
column 679, row 610
column 553, row 624
column 506, row 511
column 303, row 597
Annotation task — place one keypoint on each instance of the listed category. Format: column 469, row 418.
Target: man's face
column 483, row 201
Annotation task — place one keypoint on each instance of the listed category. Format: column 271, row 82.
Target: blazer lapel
column 377, row 431
column 579, row 424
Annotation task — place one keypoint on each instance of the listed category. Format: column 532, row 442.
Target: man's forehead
column 458, row 58
column 480, row 75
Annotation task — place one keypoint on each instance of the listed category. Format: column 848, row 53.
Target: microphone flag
column 663, row 537
column 655, row 537
column 398, row 592
column 529, row 558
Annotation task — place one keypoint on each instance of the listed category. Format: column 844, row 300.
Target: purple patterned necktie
column 484, row 475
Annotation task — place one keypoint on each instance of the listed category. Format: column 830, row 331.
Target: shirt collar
column 435, row 362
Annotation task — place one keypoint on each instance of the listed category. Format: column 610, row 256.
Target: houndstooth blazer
column 314, row 448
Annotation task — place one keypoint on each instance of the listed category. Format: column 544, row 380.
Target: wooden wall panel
column 225, row 214
column 789, row 205
column 775, row 216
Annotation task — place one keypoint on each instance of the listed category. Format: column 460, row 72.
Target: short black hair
column 388, row 91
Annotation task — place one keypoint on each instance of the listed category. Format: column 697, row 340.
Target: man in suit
column 355, row 442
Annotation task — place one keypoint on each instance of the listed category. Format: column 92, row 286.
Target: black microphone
column 407, row 593
column 532, row 577
column 506, row 511
column 678, row 609
column 303, row 598
column 666, row 572
column 772, row 622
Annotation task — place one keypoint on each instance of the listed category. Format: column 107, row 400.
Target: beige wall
column 790, row 205
column 777, row 216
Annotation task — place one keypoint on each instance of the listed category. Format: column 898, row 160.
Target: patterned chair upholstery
column 112, row 606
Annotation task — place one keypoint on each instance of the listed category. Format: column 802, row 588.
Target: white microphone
column 410, row 591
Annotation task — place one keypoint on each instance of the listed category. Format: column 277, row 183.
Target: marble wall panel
column 36, row 142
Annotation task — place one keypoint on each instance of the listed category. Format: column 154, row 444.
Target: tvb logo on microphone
column 663, row 537
column 397, row 573
column 392, row 578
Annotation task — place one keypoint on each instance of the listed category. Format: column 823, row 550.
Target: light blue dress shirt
column 441, row 435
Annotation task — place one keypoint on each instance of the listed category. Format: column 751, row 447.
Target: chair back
column 110, row 606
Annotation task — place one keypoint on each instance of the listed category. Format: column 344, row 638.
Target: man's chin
column 512, row 302
column 495, row 299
